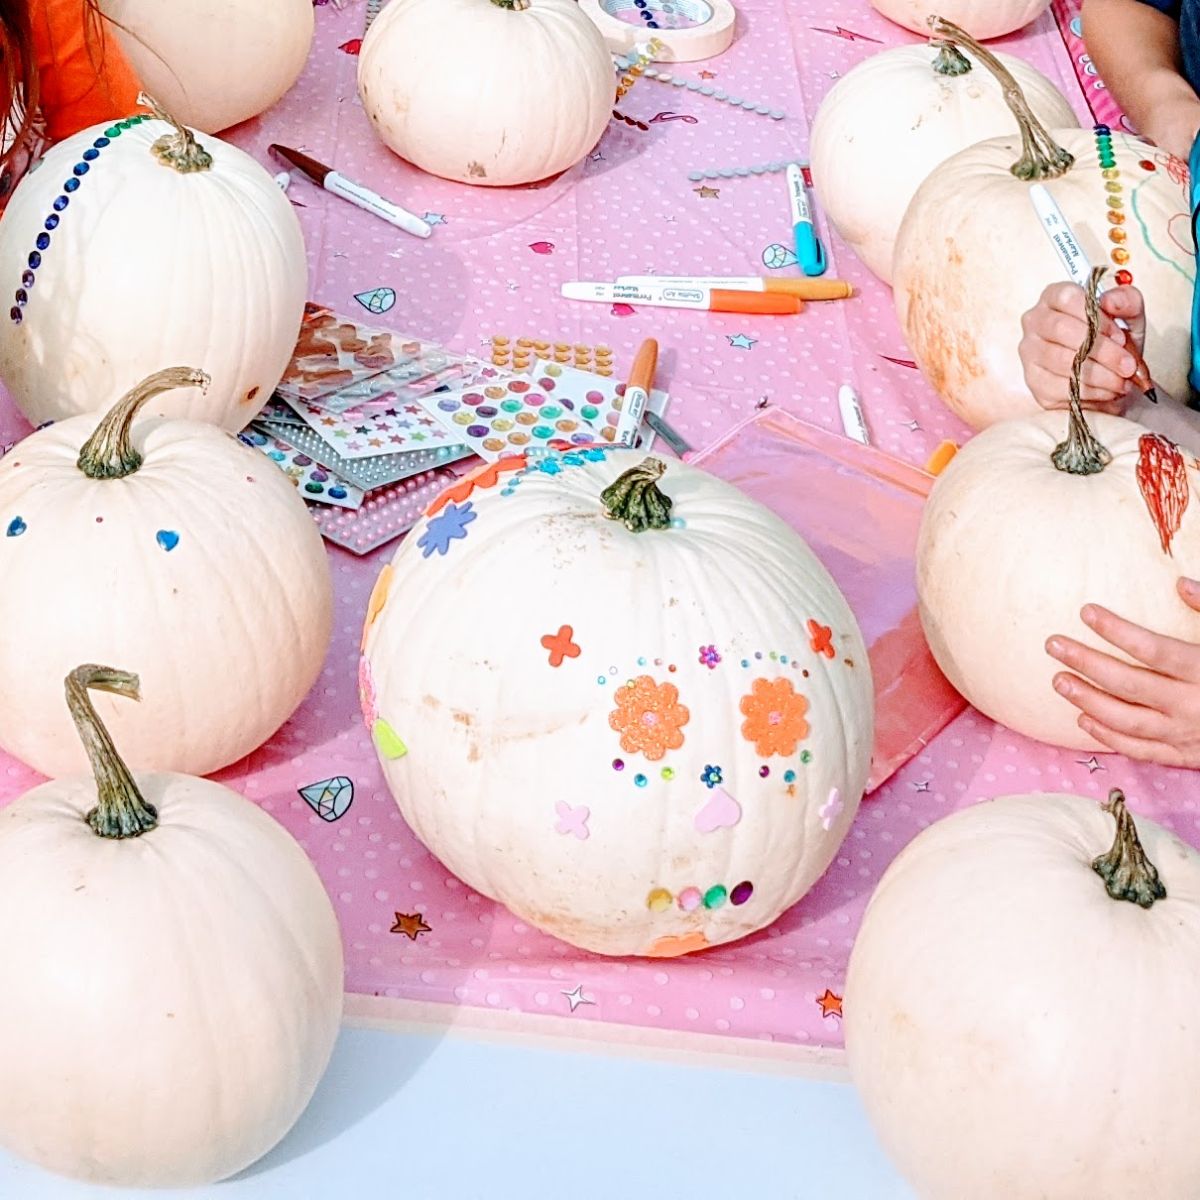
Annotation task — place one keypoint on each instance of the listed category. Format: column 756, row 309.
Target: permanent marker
column 637, row 393
column 809, row 251
column 851, row 412
column 700, row 298
column 802, row 289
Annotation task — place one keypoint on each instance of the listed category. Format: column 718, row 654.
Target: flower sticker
column 366, row 691
column 711, row 776
column 448, row 526
column 709, row 657
column 649, row 717
column 774, row 713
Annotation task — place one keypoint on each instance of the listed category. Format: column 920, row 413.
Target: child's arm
column 1135, row 46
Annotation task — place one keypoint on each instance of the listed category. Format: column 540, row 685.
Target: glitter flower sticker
column 649, row 717
column 774, row 713
column 709, row 657
column 448, row 526
column 711, row 776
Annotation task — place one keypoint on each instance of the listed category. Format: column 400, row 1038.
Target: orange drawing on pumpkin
column 774, row 713
column 561, row 645
column 379, row 595
column 649, row 717
column 675, row 944
column 486, row 476
column 1163, row 479
column 820, row 638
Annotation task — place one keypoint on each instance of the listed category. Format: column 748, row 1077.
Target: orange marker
column 637, row 393
column 802, row 289
column 672, row 296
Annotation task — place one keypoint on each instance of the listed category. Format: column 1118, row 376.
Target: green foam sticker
column 387, row 741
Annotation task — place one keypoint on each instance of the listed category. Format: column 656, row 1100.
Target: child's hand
column 1152, row 711
column 1055, row 328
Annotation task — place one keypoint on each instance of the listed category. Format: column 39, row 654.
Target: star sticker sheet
column 418, row 942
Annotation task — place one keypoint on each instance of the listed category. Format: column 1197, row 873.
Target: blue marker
column 809, row 251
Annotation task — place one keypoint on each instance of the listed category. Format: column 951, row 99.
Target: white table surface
column 445, row 1116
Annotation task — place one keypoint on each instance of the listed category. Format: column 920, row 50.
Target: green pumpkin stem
column 179, row 148
column 635, row 500
column 121, row 811
column 513, row 5
column 950, row 60
column 1082, row 453
column 108, row 453
column 1041, row 156
column 1127, row 873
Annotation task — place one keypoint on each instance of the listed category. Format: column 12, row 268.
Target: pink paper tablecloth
column 494, row 265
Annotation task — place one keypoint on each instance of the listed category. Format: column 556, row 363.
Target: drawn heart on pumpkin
column 721, row 812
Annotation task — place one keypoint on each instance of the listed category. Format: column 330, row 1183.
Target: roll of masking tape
column 688, row 29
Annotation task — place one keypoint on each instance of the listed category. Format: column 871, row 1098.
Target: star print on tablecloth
column 831, row 1004
column 913, row 426
column 741, row 341
column 1093, row 764
column 434, row 219
column 708, row 74
column 707, row 193
column 923, row 786
column 576, row 998
column 412, row 925
column 448, row 526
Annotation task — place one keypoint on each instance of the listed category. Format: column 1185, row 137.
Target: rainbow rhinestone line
column 1113, row 188
column 61, row 202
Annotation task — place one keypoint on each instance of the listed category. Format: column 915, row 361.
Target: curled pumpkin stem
column 108, row 453
column 950, row 60
column 1041, row 156
column 1127, row 873
column 179, row 148
column 121, row 810
column 514, row 5
column 1082, row 453
column 634, row 498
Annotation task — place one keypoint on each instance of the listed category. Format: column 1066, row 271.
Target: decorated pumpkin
column 1020, row 1007
column 982, row 19
column 133, row 245
column 174, row 548
column 868, row 159
column 173, row 970
column 1020, row 532
column 525, row 92
column 216, row 63
column 662, row 743
column 972, row 254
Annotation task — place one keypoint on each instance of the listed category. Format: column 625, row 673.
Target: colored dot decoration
column 691, row 898
column 1114, row 190
column 60, row 204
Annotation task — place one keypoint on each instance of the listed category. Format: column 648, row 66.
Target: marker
column 853, row 421
column 802, row 289
column 669, row 434
column 355, row 193
column 1079, row 270
column 809, row 251
column 637, row 393
column 699, row 298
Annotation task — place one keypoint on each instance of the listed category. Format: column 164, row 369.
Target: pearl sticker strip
column 704, row 89
column 746, row 172
column 60, row 205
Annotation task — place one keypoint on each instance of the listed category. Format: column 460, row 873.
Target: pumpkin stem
column 1127, row 873
column 634, row 498
column 950, row 60
column 1041, row 156
column 514, row 5
column 179, row 148
column 121, row 811
column 108, row 453
column 1082, row 453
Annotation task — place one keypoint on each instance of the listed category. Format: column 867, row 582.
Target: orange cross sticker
column 560, row 645
column 820, row 638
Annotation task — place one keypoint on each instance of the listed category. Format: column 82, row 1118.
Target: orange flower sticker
column 649, row 717
column 774, row 713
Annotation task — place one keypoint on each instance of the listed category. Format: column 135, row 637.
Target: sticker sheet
column 313, row 481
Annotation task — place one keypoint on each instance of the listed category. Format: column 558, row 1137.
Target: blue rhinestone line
column 61, row 202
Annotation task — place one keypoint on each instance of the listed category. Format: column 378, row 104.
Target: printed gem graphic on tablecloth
column 330, row 799
column 774, row 713
column 412, row 925
column 649, row 717
column 378, row 300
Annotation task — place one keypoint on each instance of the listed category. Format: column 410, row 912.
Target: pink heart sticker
column 721, row 812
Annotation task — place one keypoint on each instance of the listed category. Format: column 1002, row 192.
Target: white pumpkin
column 123, row 251
column 983, row 19
column 525, row 93
column 868, row 158
column 174, row 549
column 972, row 257
column 173, row 971
column 215, row 63
column 664, row 740
column 1017, row 1024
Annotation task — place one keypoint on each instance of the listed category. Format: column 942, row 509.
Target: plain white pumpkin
column 200, row 567
column 983, row 19
column 173, row 971
column 1015, row 1031
column 661, row 743
column 526, row 92
column 1011, row 548
column 972, row 257
column 112, row 270
column 215, row 63
column 868, row 158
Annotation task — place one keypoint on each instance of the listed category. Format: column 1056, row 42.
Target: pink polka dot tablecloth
column 494, row 265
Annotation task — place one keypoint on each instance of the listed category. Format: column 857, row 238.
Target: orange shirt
column 84, row 76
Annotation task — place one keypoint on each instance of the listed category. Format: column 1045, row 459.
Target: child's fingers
column 1124, row 302
column 1108, row 367
column 1052, row 391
